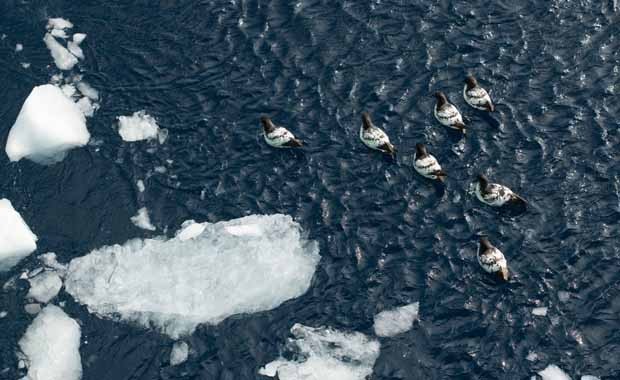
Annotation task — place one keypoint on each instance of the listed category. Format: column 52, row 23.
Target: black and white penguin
column 447, row 114
column 477, row 96
column 495, row 194
column 278, row 137
column 492, row 260
column 373, row 137
column 426, row 164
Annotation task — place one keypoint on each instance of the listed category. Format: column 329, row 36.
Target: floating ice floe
column 393, row 322
column 16, row 239
column 325, row 354
column 63, row 59
column 139, row 126
column 59, row 23
column 179, row 353
column 553, row 372
column 44, row 286
column 48, row 125
column 589, row 377
column 3, row 314
column 176, row 284
column 19, row 47
column 140, row 185
column 142, row 220
column 51, row 346
column 539, row 311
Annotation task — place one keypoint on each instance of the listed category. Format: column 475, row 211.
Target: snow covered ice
column 325, row 354
column 16, row 239
column 51, row 346
column 48, row 125
column 393, row 322
column 179, row 353
column 553, row 372
column 139, row 126
column 142, row 220
column 176, row 284
column 44, row 286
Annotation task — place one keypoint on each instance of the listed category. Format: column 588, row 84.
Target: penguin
column 492, row 260
column 373, row 137
column 278, row 137
column 426, row 164
column 477, row 96
column 495, row 194
column 447, row 114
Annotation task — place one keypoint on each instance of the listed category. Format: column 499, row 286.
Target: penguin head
column 268, row 126
column 485, row 243
column 366, row 122
column 482, row 181
column 441, row 98
column 420, row 151
column 471, row 82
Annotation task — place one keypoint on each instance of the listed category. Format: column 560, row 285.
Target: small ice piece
column 50, row 261
column 86, row 106
column 140, row 185
column 25, row 65
column 175, row 285
column 16, row 239
column 326, row 354
column 138, row 126
column 87, row 90
column 78, row 38
column 68, row 90
column 553, row 372
column 63, row 59
column 44, row 287
column 48, row 125
column 142, row 220
column 539, row 311
column 563, row 296
column 75, row 49
column 179, row 353
column 589, row 377
column 532, row 356
column 160, row 169
column 59, row 33
column 51, row 345
column 32, row 308
column 190, row 230
column 3, row 314
column 59, row 23
column 393, row 322
column 19, row 47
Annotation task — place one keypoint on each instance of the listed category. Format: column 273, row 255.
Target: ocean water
column 207, row 70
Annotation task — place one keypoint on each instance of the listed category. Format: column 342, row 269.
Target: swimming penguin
column 426, row 164
column 373, row 137
column 477, row 96
column 447, row 114
column 495, row 194
column 492, row 260
column 278, row 137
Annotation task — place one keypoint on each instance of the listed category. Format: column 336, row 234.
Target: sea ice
column 75, row 49
column 589, row 377
column 138, row 126
column 539, row 311
column 553, row 372
column 140, row 185
column 393, row 322
column 19, row 47
column 59, row 23
column 48, row 125
column 325, row 354
column 16, row 239
column 50, row 261
column 44, row 286
column 176, row 284
column 190, row 230
column 63, row 59
column 179, row 353
column 78, row 38
column 51, row 345
column 3, row 314
column 32, row 308
column 87, row 90
column 142, row 220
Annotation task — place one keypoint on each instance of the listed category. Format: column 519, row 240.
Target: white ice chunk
column 48, row 125
column 86, row 106
column 176, row 284
column 140, row 185
column 396, row 321
column 539, row 311
column 68, row 90
column 59, row 23
column 16, row 239
column 589, row 377
column 51, row 345
column 32, row 308
column 75, row 49
column 59, row 33
column 44, row 287
column 138, row 126
column 553, row 372
column 50, row 261
column 63, row 59
column 87, row 90
column 19, row 47
column 25, row 65
column 78, row 38
column 142, row 220
column 3, row 314
column 190, row 230
column 179, row 353
column 326, row 354
column 532, row 356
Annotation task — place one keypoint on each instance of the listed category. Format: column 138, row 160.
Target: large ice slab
column 176, row 284
column 326, row 354
column 16, row 239
column 51, row 346
column 393, row 322
column 553, row 372
column 48, row 125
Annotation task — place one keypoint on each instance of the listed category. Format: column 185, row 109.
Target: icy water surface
column 206, row 70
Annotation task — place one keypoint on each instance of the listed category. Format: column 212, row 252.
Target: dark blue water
column 208, row 69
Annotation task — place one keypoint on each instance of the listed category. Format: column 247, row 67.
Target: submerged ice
column 325, row 354
column 176, row 284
